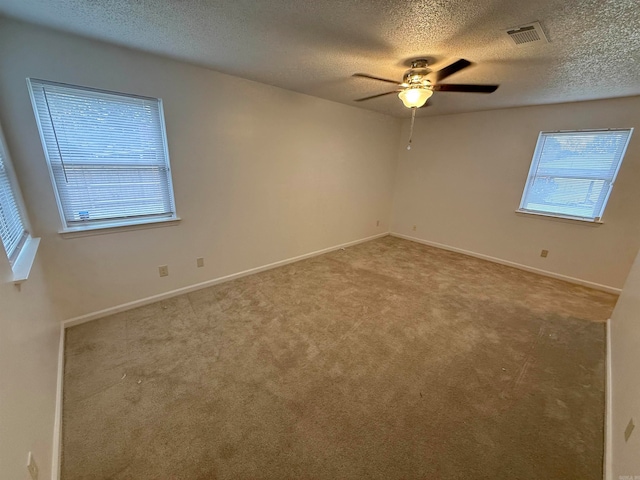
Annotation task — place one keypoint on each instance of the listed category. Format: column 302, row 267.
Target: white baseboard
column 56, row 453
column 191, row 288
column 608, row 409
column 578, row 281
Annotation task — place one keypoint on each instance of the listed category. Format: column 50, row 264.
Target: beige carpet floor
column 387, row 360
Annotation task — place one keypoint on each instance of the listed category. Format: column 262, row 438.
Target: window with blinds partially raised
column 107, row 154
column 572, row 173
column 12, row 230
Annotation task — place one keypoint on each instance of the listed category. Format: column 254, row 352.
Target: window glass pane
column 12, row 231
column 573, row 197
column 107, row 153
column 572, row 173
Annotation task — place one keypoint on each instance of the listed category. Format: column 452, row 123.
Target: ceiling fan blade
column 443, row 87
column 375, row 96
column 451, row 69
column 372, row 77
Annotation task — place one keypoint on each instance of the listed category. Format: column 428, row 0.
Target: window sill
column 105, row 228
column 562, row 218
column 22, row 267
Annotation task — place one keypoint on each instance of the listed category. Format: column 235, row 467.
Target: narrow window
column 572, row 173
column 12, row 228
column 107, row 155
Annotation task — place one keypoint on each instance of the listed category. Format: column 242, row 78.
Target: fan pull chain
column 413, row 118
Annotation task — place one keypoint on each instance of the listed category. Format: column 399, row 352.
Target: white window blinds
column 572, row 173
column 107, row 154
column 12, row 229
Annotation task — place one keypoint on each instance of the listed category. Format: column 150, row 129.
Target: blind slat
column 572, row 173
column 106, row 151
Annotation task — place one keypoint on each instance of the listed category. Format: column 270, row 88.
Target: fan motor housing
column 417, row 74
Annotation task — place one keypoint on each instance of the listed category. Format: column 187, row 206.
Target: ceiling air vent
column 531, row 33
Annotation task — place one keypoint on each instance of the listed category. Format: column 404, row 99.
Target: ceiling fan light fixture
column 415, row 97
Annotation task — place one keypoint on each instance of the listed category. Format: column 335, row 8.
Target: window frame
column 108, row 225
column 17, row 270
column 535, row 161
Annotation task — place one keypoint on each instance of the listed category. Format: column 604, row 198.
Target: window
column 12, row 229
column 572, row 173
column 107, row 155
column 19, row 247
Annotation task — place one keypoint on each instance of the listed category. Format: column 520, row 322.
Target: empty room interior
column 319, row 240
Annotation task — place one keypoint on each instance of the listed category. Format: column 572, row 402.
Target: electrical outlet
column 32, row 467
column 629, row 430
column 544, row 253
column 414, row 228
column 377, row 223
column 200, row 262
column 163, row 270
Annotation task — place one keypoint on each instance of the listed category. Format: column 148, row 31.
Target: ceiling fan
column 416, row 86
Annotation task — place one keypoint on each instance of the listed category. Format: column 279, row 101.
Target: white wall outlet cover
column 32, row 467
column 629, row 430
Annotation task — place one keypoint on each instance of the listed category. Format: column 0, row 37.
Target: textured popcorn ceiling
column 313, row 47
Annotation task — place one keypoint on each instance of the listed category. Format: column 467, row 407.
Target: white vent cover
column 531, row 33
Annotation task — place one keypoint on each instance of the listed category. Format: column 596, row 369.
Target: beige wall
column 260, row 174
column 29, row 340
column 463, row 179
column 625, row 379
